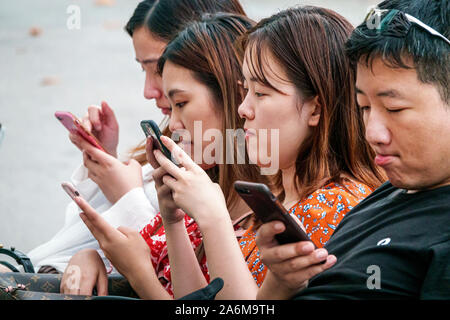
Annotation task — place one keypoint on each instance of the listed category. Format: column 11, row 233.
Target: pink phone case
column 70, row 190
column 74, row 125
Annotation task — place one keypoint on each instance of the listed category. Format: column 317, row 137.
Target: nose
column 377, row 130
column 175, row 122
column 152, row 87
column 245, row 110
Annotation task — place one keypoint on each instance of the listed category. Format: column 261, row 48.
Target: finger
column 168, row 165
column 311, row 271
column 157, row 176
column 149, row 152
column 304, row 260
column 169, row 182
column 98, row 155
column 102, row 284
column 95, row 117
column 159, row 173
column 109, row 118
column 91, row 227
column 86, row 286
column 83, row 143
column 100, row 229
column 180, row 156
column 266, row 234
column 86, row 123
column 282, row 253
column 92, row 166
column 164, row 191
column 75, row 139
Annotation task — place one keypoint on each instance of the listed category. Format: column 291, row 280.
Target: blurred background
column 45, row 67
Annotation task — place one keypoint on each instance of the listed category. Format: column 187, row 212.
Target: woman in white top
column 123, row 193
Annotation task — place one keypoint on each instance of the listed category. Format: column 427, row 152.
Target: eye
column 180, row 104
column 394, row 110
column 259, row 94
column 364, row 108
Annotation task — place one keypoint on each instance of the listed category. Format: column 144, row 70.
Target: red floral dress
column 155, row 236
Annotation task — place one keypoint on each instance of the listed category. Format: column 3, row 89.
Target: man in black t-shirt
column 396, row 243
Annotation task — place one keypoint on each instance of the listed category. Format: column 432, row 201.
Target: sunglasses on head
column 396, row 23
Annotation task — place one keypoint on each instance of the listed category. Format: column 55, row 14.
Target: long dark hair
column 207, row 49
column 309, row 43
column 165, row 19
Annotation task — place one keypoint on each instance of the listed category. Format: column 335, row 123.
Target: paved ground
column 62, row 69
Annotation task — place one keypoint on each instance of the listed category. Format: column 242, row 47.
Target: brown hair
column 309, row 43
column 165, row 19
column 207, row 49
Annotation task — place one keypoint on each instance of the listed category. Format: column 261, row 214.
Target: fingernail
column 308, row 247
column 278, row 226
column 321, row 254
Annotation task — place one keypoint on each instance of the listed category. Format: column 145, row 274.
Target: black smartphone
column 268, row 208
column 150, row 128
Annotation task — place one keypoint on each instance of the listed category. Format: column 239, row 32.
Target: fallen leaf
column 35, row 31
column 105, row 3
column 50, row 81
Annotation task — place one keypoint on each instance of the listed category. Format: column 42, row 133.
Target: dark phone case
column 268, row 208
column 151, row 128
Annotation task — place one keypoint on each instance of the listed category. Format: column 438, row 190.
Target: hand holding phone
column 268, row 208
column 73, row 124
column 150, row 128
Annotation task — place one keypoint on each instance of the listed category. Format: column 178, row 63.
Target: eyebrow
column 173, row 92
column 147, row 61
column 387, row 93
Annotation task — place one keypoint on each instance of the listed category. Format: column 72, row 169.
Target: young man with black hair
column 396, row 243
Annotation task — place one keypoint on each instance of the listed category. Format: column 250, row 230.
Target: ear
column 315, row 112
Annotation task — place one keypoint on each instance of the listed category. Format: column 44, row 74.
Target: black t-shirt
column 392, row 245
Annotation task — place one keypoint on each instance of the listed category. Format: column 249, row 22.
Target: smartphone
column 70, row 190
column 150, row 128
column 268, row 208
column 73, row 124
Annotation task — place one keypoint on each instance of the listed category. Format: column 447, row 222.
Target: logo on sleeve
column 384, row 242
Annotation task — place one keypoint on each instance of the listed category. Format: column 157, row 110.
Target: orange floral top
column 320, row 214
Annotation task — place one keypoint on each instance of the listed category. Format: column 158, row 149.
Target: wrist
column 207, row 219
column 170, row 220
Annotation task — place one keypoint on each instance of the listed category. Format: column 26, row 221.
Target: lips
column 165, row 111
column 383, row 160
column 249, row 133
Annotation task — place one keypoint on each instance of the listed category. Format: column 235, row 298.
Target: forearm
column 272, row 289
column 185, row 269
column 146, row 284
column 225, row 259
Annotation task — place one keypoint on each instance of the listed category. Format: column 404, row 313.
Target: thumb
column 108, row 115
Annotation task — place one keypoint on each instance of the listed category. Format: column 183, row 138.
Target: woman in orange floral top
column 320, row 213
column 299, row 85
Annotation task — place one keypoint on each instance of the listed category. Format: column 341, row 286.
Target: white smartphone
column 70, row 190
